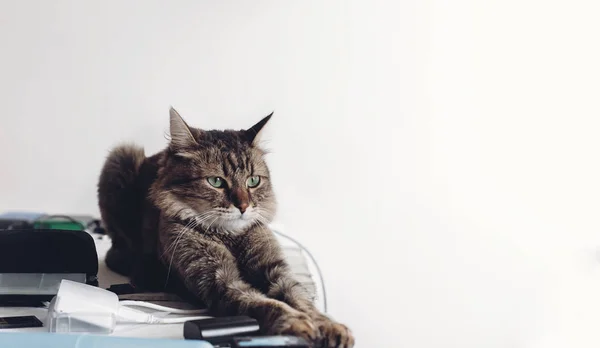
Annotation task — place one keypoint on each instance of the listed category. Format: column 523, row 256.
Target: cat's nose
column 240, row 199
column 242, row 207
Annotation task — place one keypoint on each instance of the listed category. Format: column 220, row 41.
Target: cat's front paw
column 295, row 323
column 333, row 334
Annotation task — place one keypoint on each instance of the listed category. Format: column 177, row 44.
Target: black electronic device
column 220, row 329
column 34, row 261
column 20, row 322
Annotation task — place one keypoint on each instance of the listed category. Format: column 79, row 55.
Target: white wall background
column 439, row 157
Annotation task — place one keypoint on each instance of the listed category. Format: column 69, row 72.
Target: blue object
column 21, row 215
column 51, row 340
column 271, row 341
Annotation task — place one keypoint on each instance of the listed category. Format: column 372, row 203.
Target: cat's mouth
column 235, row 225
column 247, row 215
column 233, row 220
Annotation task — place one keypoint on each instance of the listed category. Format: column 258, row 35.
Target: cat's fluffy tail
column 120, row 204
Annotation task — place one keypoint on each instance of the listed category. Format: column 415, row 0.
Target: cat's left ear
column 253, row 133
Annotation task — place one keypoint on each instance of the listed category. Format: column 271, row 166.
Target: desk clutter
column 36, row 220
column 52, row 261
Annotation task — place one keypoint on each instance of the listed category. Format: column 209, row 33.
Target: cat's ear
column 181, row 135
column 253, row 133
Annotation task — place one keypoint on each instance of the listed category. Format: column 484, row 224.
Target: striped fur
column 171, row 229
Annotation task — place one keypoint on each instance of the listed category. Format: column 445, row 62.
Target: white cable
column 312, row 258
column 149, row 305
column 158, row 320
column 128, row 315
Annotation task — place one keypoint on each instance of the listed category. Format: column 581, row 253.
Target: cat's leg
column 210, row 272
column 268, row 270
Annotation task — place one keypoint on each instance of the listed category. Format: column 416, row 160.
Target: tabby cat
column 196, row 215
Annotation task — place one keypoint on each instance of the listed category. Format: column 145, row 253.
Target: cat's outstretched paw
column 333, row 334
column 296, row 324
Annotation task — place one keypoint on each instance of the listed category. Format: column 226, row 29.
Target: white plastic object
column 82, row 308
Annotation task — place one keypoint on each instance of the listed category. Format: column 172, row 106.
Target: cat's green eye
column 215, row 181
column 253, row 181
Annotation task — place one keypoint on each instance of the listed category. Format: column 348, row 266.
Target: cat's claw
column 333, row 334
column 297, row 324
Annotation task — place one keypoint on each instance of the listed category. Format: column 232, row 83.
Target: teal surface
column 51, row 340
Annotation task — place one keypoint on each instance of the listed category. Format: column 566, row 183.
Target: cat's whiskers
column 197, row 221
column 212, row 222
column 261, row 220
column 190, row 226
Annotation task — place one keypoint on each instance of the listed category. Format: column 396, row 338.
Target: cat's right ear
column 181, row 135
